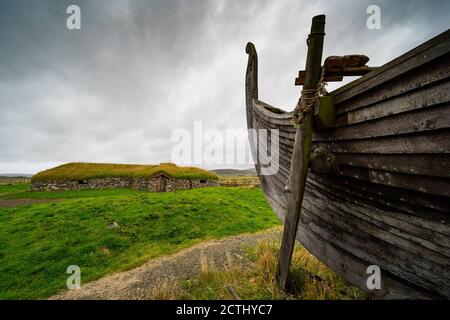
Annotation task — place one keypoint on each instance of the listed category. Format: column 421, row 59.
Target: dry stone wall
column 149, row 184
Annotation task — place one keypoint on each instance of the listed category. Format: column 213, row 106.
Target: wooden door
column 162, row 186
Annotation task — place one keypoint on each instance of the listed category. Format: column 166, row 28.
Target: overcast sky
column 115, row 90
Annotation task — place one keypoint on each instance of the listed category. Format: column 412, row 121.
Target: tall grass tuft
column 309, row 278
column 167, row 290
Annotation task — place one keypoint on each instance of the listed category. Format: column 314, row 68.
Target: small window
column 82, row 182
column 203, row 181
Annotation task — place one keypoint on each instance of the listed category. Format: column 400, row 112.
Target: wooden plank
column 419, row 230
column 273, row 190
column 428, row 184
column 423, row 54
column 378, row 234
column 416, row 121
column 301, row 152
column 354, row 269
column 434, row 165
column 411, row 101
column 425, row 76
column 261, row 109
column 287, row 127
column 279, row 181
column 366, row 246
column 369, row 247
column 418, row 207
column 269, row 109
column 427, row 142
column 336, row 75
column 285, row 135
column 424, row 184
column 284, row 152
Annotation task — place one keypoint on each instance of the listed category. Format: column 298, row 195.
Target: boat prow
column 388, row 201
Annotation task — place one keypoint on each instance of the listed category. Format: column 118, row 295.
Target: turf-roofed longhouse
column 157, row 178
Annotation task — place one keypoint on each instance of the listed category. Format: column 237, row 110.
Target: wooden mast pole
column 301, row 152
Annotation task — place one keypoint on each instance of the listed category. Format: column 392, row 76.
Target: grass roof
column 85, row 171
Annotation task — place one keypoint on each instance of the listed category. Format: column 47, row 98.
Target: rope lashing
column 304, row 106
column 308, row 99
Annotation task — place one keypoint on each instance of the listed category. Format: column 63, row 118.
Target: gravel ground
column 138, row 283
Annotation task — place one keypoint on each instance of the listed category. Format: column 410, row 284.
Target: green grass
column 309, row 278
column 84, row 171
column 21, row 191
column 7, row 190
column 14, row 180
column 38, row 242
column 239, row 181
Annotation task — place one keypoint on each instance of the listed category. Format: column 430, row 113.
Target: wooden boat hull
column 389, row 205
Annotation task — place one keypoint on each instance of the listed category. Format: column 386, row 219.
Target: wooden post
column 301, row 152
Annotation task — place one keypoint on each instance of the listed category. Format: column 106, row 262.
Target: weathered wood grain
column 427, row 97
column 354, row 269
column 414, row 203
column 301, row 151
column 424, row 231
column 425, row 184
column 433, row 165
column 370, row 249
column 416, row 79
column 372, row 237
column 431, row 50
column 401, row 123
column 390, row 205
column 427, row 142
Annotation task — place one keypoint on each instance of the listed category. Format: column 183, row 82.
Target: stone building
column 159, row 179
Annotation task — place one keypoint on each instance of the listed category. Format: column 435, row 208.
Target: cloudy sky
column 115, row 90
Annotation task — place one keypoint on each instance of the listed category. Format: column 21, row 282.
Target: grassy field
column 21, row 191
column 309, row 279
column 14, row 180
column 239, row 181
column 38, row 242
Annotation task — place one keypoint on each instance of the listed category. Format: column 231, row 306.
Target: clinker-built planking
column 389, row 204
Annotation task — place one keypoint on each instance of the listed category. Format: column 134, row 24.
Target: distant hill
column 235, row 172
column 16, row 175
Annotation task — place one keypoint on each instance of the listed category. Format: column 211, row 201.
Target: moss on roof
column 85, row 171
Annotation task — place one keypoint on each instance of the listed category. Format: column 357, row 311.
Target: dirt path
column 139, row 282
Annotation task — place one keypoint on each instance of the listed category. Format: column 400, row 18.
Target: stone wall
column 150, row 184
column 183, row 184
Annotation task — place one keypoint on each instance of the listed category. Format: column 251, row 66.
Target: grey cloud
column 115, row 90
